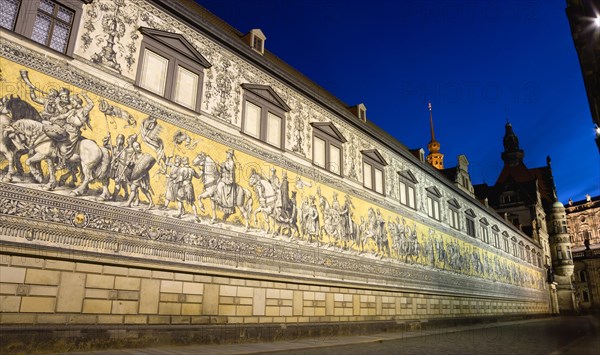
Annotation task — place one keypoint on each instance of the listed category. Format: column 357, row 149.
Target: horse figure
column 93, row 159
column 210, row 179
column 12, row 109
column 333, row 225
column 267, row 200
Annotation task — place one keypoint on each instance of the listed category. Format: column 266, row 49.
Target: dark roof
column 450, row 173
column 520, row 174
column 236, row 36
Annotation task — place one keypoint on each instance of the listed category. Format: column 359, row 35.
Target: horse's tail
column 103, row 168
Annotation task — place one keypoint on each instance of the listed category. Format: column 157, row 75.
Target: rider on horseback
column 226, row 185
column 65, row 128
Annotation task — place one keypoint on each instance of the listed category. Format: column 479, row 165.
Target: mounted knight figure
column 221, row 187
column 59, row 138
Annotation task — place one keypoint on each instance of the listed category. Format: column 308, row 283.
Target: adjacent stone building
column 163, row 171
column 584, row 20
column 527, row 198
column 584, row 226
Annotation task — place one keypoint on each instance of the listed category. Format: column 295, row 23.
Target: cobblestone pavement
column 554, row 336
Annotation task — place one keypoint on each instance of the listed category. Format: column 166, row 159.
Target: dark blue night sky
column 476, row 61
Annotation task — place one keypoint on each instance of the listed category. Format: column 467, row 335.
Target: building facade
column 584, row 225
column 584, row 19
column 527, row 198
column 162, row 168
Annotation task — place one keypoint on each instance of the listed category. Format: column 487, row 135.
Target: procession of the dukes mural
column 60, row 138
column 65, row 131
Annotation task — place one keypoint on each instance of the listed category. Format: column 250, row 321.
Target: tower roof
column 435, row 158
column 512, row 155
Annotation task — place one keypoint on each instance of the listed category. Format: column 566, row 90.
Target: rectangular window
column 411, row 197
column 378, row 181
column 506, row 245
column 335, row 159
column 407, row 194
column 453, row 218
column 496, row 240
column 186, row 88
column 52, row 25
column 319, row 152
column 252, row 120
column 470, row 227
column 274, row 130
column 8, row 13
column 403, row 194
column 367, row 176
column 433, row 208
column 154, row 72
column 484, row 233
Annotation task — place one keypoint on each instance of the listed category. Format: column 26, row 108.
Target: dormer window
column 257, row 44
column 360, row 111
column 256, row 40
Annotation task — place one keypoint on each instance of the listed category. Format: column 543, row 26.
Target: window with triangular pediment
column 171, row 67
column 263, row 114
column 328, row 147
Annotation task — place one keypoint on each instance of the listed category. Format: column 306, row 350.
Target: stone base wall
column 36, row 291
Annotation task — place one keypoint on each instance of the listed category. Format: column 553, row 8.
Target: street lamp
column 597, row 21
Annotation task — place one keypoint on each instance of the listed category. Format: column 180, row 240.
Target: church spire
column 435, row 158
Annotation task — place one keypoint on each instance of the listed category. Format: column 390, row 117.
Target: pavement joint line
column 302, row 344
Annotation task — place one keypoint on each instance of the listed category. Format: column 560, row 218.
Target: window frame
column 485, row 233
column 454, row 214
column 369, row 159
column 434, row 196
column 175, row 60
column 410, row 189
column 27, row 13
column 333, row 138
column 266, row 107
column 470, row 223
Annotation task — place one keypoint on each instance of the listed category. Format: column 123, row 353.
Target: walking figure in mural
column 138, row 174
column 172, row 181
column 224, row 193
column 118, row 165
column 185, row 193
column 312, row 226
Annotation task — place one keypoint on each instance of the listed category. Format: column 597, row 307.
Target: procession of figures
column 54, row 134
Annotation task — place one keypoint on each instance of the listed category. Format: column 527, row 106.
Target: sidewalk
column 305, row 343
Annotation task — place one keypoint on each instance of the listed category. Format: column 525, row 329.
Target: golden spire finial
column 435, row 158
